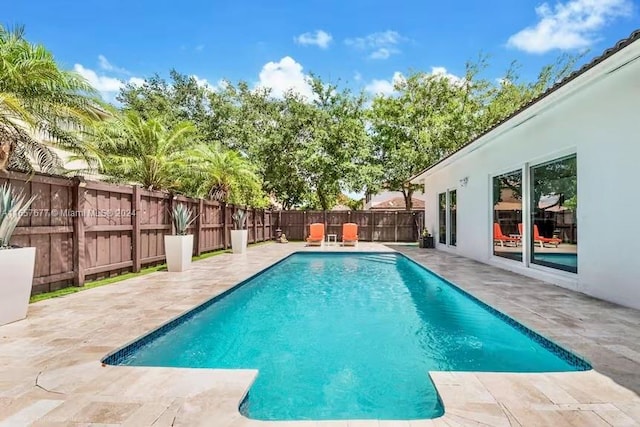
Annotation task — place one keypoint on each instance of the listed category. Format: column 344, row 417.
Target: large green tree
column 39, row 100
column 431, row 115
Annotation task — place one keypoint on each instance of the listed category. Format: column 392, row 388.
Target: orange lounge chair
column 349, row 234
column 537, row 238
column 316, row 234
column 499, row 237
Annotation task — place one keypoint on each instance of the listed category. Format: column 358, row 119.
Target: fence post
column 255, row 225
column 135, row 231
column 396, row 227
column 223, row 206
column 264, row 225
column 199, row 227
column 372, row 227
column 304, row 225
column 78, row 231
column 324, row 218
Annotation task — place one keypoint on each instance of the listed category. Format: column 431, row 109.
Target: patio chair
column 316, row 234
column 501, row 238
column 537, row 238
column 349, row 234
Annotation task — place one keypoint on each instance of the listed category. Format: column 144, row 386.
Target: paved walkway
column 50, row 373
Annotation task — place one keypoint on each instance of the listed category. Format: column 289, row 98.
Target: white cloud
column 108, row 66
column 220, row 84
column 199, row 48
column 573, row 24
column 382, row 86
column 357, row 76
column 441, row 71
column 285, row 75
column 106, row 85
column 379, row 45
column 136, row 81
column 318, row 38
column 386, row 87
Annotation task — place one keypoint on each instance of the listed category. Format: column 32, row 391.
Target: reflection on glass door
column 507, row 215
column 554, row 203
column 452, row 217
column 442, row 218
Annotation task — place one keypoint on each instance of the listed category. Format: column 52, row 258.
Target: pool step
column 383, row 258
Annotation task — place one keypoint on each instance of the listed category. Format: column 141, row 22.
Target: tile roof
column 398, row 203
column 635, row 36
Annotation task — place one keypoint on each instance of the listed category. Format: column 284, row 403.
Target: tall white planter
column 16, row 279
column 178, row 250
column 239, row 240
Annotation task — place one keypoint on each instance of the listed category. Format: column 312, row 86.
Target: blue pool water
column 347, row 336
column 563, row 259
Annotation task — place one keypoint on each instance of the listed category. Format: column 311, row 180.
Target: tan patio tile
column 422, row 423
column 617, row 418
column 457, row 388
column 486, row 413
column 513, row 387
column 105, row 412
column 631, row 409
column 393, row 423
column 30, row 413
column 165, row 419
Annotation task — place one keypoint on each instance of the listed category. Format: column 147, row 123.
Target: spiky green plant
column 12, row 207
column 239, row 218
column 182, row 218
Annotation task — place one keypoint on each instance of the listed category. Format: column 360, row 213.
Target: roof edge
column 620, row 45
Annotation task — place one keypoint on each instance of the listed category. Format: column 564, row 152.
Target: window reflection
column 553, row 214
column 442, row 218
column 507, row 215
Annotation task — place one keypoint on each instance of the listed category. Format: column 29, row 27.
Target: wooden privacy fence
column 84, row 230
column 373, row 226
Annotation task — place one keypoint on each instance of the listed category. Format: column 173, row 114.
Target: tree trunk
column 323, row 200
column 407, row 193
column 5, row 153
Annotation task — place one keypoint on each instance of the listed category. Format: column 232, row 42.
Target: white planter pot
column 239, row 240
column 16, row 279
column 178, row 250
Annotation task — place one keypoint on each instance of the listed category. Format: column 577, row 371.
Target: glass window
column 507, row 215
column 452, row 217
column 554, row 203
column 442, row 218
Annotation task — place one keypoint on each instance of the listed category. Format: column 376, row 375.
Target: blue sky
column 277, row 43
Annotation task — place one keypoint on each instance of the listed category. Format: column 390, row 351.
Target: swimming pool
column 346, row 336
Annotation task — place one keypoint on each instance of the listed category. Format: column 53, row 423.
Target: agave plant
column 239, row 218
column 182, row 219
column 12, row 207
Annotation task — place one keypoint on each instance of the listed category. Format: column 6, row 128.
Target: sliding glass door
column 452, row 217
column 507, row 215
column 447, row 218
column 442, row 218
column 553, row 225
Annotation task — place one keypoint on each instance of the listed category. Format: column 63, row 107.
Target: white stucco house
column 551, row 192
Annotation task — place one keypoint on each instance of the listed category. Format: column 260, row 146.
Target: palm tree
column 39, row 100
column 132, row 149
column 222, row 175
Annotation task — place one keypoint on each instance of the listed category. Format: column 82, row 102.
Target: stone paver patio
column 50, row 373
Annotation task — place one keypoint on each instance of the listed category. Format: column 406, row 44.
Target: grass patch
column 110, row 280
